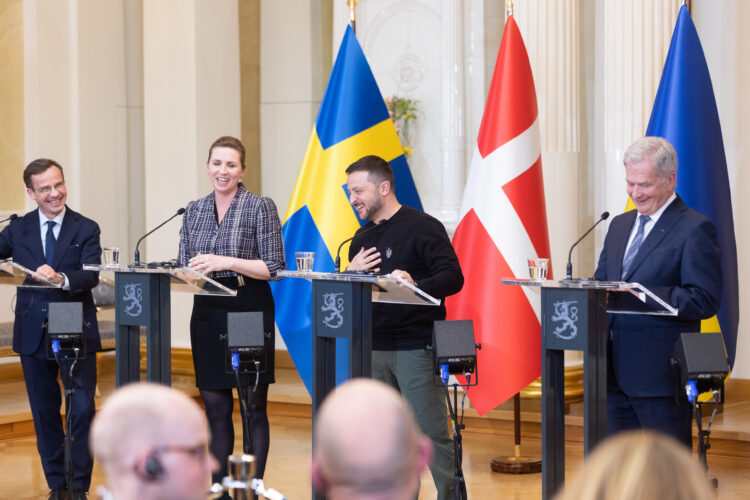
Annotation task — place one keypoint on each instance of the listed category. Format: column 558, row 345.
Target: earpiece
column 152, row 468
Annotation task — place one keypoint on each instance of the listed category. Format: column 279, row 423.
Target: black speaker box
column 453, row 344
column 245, row 337
column 245, row 329
column 65, row 317
column 65, row 325
column 700, row 356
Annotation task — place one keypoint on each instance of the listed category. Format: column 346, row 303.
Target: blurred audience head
column 639, row 465
column 367, row 444
column 152, row 443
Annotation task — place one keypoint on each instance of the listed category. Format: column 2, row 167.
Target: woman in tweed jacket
column 233, row 236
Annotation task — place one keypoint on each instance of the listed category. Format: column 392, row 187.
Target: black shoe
column 58, row 494
column 79, row 495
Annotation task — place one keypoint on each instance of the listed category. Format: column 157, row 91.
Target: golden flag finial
column 508, row 8
column 352, row 4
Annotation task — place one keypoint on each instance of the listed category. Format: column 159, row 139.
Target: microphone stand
column 569, row 266
column 11, row 218
column 69, row 387
column 459, row 482
column 137, row 256
column 337, row 262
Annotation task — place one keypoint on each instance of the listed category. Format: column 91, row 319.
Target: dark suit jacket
column 77, row 244
column 680, row 261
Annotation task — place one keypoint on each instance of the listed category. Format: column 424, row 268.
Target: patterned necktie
column 49, row 243
column 633, row 250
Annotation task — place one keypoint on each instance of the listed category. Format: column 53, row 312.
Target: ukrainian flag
column 685, row 114
column 353, row 122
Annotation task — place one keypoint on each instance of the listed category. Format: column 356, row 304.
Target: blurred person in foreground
column 639, row 465
column 152, row 443
column 367, row 445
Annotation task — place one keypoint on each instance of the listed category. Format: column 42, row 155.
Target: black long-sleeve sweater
column 417, row 243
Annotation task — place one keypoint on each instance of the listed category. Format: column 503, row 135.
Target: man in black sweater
column 414, row 246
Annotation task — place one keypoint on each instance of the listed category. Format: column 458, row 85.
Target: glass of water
column 538, row 269
column 112, row 256
column 305, row 261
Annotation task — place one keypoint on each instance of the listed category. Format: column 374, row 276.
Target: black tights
column 219, row 406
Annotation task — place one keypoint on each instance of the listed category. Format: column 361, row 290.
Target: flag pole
column 516, row 464
column 352, row 4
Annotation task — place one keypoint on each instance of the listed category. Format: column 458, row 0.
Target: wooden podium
column 142, row 298
column 574, row 317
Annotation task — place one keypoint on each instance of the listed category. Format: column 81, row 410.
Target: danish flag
column 503, row 222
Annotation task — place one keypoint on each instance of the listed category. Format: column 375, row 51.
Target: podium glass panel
column 181, row 279
column 387, row 288
column 644, row 300
column 15, row 274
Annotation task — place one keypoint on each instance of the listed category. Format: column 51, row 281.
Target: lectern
column 574, row 317
column 142, row 298
column 12, row 273
column 342, row 308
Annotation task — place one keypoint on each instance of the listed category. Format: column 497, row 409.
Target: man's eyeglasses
column 48, row 189
column 197, row 452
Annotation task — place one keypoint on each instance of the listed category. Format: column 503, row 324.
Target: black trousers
column 46, row 402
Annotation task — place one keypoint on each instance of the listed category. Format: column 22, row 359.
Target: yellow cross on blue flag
column 353, row 122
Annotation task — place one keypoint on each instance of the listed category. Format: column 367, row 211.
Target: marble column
column 634, row 39
column 453, row 130
column 551, row 34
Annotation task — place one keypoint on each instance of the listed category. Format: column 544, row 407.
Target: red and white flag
column 503, row 222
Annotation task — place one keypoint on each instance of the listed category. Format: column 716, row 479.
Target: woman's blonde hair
column 639, row 465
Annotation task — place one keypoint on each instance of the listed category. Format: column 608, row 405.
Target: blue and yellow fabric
column 353, row 121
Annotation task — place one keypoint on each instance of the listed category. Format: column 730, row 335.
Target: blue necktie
column 633, row 250
column 49, row 243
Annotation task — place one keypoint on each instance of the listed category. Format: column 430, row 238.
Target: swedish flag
column 353, row 121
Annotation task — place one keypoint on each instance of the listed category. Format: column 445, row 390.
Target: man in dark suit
column 673, row 251
column 55, row 242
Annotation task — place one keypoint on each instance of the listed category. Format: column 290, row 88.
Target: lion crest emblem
column 133, row 299
column 566, row 313
column 333, row 306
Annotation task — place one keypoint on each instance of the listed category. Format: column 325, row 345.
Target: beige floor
column 21, row 476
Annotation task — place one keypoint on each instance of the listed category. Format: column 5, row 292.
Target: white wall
column 722, row 27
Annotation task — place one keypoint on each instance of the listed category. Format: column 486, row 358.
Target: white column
column 51, row 88
column 726, row 40
column 452, row 161
column 293, row 75
column 635, row 39
column 551, row 34
column 191, row 96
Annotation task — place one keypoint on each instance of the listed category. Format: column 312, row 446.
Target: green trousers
column 410, row 373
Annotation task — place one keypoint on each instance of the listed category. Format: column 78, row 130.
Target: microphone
column 137, row 253
column 338, row 252
column 11, row 218
column 569, row 267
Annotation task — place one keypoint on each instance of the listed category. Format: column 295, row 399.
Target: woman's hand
column 209, row 263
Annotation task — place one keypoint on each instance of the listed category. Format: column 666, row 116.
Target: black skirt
column 208, row 333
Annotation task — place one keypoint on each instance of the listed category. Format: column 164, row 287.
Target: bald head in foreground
column 367, row 444
column 152, row 442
